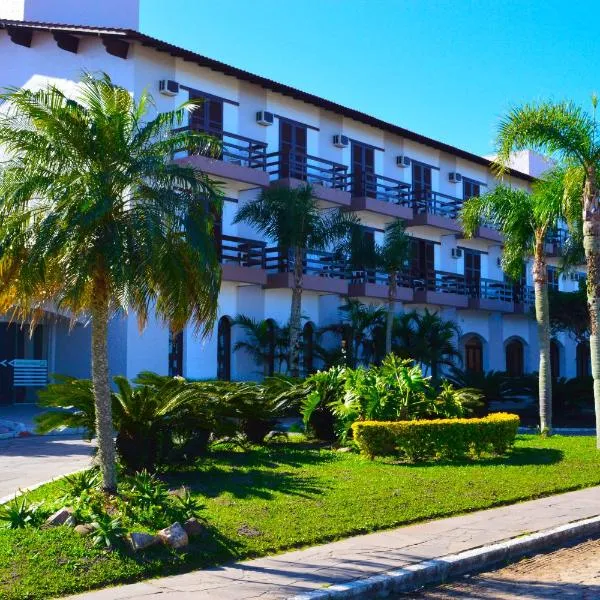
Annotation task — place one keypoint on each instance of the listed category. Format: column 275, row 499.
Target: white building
column 275, row 134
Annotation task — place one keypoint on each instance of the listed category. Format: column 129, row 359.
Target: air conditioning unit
column 454, row 177
column 340, row 141
column 168, row 87
column 457, row 252
column 402, row 161
column 264, row 117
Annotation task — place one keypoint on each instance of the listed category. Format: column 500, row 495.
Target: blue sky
column 446, row 69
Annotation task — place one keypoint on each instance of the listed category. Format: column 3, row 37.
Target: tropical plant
column 108, row 531
column 20, row 512
column 428, row 339
column 525, row 220
column 259, row 342
column 568, row 134
column 145, row 490
column 186, row 504
column 569, row 312
column 292, row 218
column 96, row 218
column 81, row 482
column 390, row 257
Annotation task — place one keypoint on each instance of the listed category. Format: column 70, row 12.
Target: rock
column 344, row 449
column 59, row 517
column 174, row 536
column 141, row 541
column 193, row 527
column 84, row 529
column 71, row 521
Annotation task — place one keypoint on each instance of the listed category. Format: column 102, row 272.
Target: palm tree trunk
column 101, row 384
column 542, row 315
column 591, row 245
column 296, row 313
column 390, row 311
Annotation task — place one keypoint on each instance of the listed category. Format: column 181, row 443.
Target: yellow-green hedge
column 440, row 438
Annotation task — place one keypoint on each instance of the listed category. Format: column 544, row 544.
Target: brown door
column 421, row 186
column 208, row 116
column 472, row 272
column 422, row 263
column 292, row 149
column 363, row 169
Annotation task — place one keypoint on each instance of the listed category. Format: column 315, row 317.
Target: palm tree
column 433, row 344
column 260, row 341
column 525, row 220
column 389, row 257
column 569, row 134
column 96, row 218
column 292, row 217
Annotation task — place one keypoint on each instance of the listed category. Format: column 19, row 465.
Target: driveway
column 30, row 460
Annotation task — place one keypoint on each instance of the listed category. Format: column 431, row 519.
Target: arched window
column 474, row 355
column 224, row 349
column 583, row 359
column 554, row 359
column 176, row 354
column 514, row 358
column 271, row 343
column 308, row 347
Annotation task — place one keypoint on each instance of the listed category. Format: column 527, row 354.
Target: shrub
column 19, row 512
column 440, row 438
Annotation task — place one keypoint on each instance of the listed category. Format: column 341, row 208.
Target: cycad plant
column 96, row 218
column 525, row 219
column 292, row 218
column 570, row 135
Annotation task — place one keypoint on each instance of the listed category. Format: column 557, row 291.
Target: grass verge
column 271, row 499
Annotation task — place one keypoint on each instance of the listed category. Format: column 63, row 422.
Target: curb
column 439, row 570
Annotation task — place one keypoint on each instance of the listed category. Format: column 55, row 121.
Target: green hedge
column 440, row 438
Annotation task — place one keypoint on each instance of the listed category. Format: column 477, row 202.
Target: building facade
column 273, row 134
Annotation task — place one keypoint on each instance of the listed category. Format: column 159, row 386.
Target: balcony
column 380, row 194
column 442, row 288
column 375, row 284
column 243, row 260
column 328, row 179
column 556, row 241
column 322, row 271
column 489, row 294
column 241, row 159
column 434, row 209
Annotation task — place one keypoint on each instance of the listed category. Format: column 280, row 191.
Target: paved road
column 27, row 461
column 567, row 573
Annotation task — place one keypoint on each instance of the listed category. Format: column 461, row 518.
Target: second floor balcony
column 243, row 260
column 238, row 159
column 383, row 195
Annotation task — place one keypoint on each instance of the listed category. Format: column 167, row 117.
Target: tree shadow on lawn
column 517, row 457
column 247, row 483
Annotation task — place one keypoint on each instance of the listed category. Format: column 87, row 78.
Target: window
column 514, row 358
column 176, row 354
column 422, row 261
column 583, row 359
column 552, row 276
column 421, row 177
column 554, row 359
column 474, row 355
column 208, row 115
column 472, row 271
column 224, row 349
column 308, row 347
column 471, row 189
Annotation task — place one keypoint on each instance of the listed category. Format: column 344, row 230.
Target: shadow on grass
column 517, row 457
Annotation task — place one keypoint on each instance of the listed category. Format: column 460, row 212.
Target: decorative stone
column 193, row 527
column 141, row 541
column 71, row 521
column 174, row 536
column 59, row 517
column 84, row 529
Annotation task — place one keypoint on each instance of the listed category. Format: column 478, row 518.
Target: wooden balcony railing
column 242, row 252
column 237, row 149
column 322, row 264
column 312, row 169
column 435, row 203
column 372, row 185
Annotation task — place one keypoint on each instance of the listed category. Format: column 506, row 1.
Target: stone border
column 439, row 570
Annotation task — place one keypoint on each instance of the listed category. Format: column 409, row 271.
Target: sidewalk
column 299, row 572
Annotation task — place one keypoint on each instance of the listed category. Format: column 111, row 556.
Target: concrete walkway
column 28, row 461
column 296, row 573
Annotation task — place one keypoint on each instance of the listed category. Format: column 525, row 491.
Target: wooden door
column 363, row 169
column 292, row 149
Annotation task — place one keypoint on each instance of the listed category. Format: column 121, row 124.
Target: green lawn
column 284, row 496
